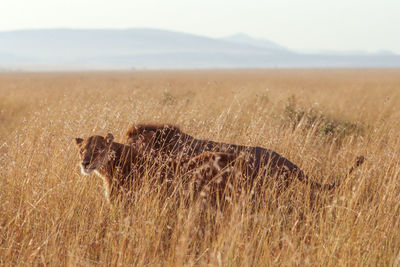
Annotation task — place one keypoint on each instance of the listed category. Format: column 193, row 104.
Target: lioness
column 122, row 166
column 168, row 140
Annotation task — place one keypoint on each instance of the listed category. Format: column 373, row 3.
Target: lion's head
column 94, row 152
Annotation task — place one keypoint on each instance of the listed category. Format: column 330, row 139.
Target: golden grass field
column 320, row 119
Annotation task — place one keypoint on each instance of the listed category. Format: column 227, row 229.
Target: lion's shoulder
column 141, row 131
column 142, row 128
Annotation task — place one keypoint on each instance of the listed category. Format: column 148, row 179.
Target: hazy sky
column 304, row 25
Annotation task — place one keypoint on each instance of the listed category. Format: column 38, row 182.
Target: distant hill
column 242, row 38
column 58, row 49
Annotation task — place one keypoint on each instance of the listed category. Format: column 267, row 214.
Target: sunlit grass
column 51, row 214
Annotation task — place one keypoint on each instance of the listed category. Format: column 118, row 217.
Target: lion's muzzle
column 85, row 168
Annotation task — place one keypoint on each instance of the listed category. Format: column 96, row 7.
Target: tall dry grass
column 319, row 119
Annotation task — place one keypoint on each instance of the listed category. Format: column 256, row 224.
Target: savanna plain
column 321, row 120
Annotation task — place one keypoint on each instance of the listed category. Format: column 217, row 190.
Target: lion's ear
column 109, row 138
column 78, row 141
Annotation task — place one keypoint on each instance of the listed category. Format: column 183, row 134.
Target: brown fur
column 167, row 141
column 122, row 167
column 116, row 163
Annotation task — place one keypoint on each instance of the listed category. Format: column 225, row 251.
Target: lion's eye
column 81, row 151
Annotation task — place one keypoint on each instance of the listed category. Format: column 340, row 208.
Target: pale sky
column 302, row 25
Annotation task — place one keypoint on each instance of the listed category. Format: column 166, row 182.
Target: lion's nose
column 85, row 163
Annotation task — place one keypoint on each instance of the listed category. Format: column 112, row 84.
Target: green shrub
column 328, row 127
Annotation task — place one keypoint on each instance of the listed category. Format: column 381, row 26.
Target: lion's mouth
column 86, row 170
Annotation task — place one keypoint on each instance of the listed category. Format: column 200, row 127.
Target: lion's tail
column 359, row 161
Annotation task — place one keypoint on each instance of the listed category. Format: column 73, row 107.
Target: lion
column 109, row 160
column 209, row 175
column 165, row 141
column 121, row 167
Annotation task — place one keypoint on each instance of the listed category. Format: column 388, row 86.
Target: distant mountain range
column 69, row 49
